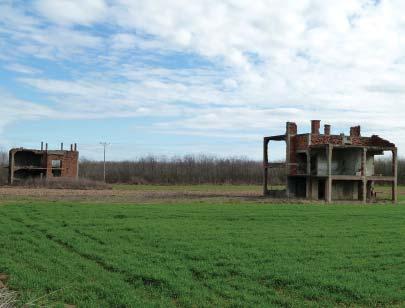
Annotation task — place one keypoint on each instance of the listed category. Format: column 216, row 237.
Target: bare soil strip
column 18, row 193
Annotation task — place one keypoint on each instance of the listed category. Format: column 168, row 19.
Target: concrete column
column 395, row 175
column 308, row 179
column 11, row 168
column 328, row 189
column 364, row 187
column 265, row 165
column 288, row 166
column 364, row 173
column 370, row 184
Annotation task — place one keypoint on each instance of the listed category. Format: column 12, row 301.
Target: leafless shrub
column 64, row 183
column 7, row 298
column 384, row 166
column 3, row 167
column 189, row 169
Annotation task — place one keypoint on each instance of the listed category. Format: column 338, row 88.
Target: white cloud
column 82, row 12
column 123, row 41
column 22, row 34
column 13, row 109
column 220, row 66
column 22, row 69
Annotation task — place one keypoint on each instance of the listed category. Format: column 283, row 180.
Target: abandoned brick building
column 28, row 164
column 330, row 167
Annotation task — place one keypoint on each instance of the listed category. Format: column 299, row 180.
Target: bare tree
column 188, row 169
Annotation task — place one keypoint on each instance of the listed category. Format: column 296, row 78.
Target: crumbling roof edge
column 54, row 152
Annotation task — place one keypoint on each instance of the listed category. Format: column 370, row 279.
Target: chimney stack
column 61, row 146
column 326, row 130
column 355, row 131
column 315, row 125
column 46, row 146
column 42, row 145
column 75, row 147
column 291, row 128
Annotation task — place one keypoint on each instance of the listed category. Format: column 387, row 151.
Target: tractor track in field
column 131, row 279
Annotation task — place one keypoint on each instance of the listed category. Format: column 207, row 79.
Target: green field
column 203, row 254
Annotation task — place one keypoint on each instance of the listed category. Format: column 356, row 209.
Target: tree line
column 188, row 169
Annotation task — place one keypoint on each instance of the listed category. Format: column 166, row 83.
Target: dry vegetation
column 7, row 298
column 65, row 183
column 200, row 169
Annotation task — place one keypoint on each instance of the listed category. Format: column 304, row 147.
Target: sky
column 189, row 77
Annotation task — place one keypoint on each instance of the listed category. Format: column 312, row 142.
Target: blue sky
column 181, row 77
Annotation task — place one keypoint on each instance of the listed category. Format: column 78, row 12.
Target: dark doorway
column 321, row 189
column 56, row 168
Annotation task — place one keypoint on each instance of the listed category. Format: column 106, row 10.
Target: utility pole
column 105, row 145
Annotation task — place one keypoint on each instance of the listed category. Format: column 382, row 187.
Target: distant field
column 202, row 253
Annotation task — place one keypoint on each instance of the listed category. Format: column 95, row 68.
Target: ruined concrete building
column 28, row 164
column 330, row 167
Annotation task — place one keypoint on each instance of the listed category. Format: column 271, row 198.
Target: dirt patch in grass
column 153, row 194
column 7, row 297
column 150, row 195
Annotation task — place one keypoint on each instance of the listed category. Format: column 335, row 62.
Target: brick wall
column 301, row 142
column 324, row 139
column 69, row 164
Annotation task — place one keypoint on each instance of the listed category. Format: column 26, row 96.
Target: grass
column 202, row 254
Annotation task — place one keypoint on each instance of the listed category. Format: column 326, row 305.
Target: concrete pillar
column 364, row 174
column 291, row 131
column 395, row 175
column 265, row 165
column 308, row 178
column 11, row 168
column 364, row 190
column 328, row 190
column 370, row 184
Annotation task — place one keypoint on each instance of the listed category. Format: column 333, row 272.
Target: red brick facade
column 26, row 164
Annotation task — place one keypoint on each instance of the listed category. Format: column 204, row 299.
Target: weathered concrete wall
column 346, row 161
column 321, row 164
column 370, row 165
column 345, row 190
